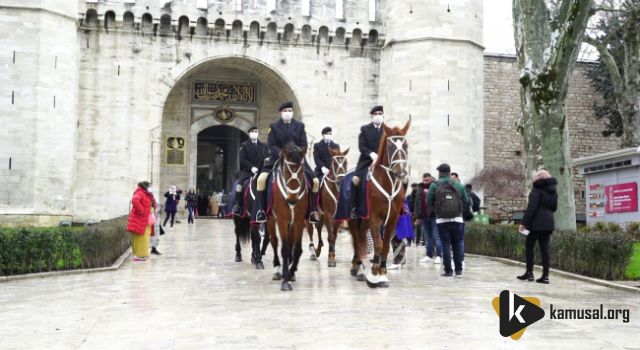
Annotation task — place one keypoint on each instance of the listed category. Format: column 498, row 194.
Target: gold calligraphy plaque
column 213, row 91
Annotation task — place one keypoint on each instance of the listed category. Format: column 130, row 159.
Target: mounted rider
column 252, row 154
column 322, row 154
column 281, row 132
column 368, row 142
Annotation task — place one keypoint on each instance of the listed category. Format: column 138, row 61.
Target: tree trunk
column 631, row 110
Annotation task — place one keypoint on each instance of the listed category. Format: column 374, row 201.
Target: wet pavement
column 195, row 296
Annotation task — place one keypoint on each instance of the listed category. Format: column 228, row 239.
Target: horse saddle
column 344, row 200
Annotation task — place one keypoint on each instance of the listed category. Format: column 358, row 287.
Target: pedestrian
column 171, row 205
column 404, row 233
column 411, row 201
column 141, row 221
column 192, row 202
column 224, row 198
column 538, row 223
column 425, row 219
column 213, row 204
column 157, row 229
column 447, row 198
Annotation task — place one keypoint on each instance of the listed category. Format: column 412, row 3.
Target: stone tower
column 39, row 85
column 431, row 68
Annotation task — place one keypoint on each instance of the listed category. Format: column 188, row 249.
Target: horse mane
column 293, row 153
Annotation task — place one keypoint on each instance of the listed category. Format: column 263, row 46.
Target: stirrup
column 354, row 213
column 261, row 216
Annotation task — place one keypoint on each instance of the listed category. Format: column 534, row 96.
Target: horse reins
column 283, row 184
column 341, row 164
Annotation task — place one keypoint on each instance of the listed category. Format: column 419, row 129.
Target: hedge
column 604, row 255
column 28, row 250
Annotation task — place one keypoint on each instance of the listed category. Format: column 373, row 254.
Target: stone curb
column 563, row 274
column 115, row 266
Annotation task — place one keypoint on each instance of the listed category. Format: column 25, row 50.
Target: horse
column 245, row 230
column 290, row 204
column 385, row 197
column 329, row 194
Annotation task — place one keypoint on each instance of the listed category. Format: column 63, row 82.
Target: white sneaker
column 393, row 267
column 426, row 259
column 437, row 260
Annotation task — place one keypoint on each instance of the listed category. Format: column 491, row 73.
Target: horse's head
column 293, row 171
column 396, row 150
column 338, row 163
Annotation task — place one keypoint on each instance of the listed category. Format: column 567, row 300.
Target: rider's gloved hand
column 254, row 170
column 374, row 156
column 325, row 171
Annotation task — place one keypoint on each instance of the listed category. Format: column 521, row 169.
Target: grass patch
column 633, row 269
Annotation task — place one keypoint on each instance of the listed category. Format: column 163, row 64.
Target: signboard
column 622, row 198
column 175, row 151
column 596, row 201
column 215, row 91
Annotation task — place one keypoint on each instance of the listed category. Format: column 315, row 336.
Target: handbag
column 152, row 219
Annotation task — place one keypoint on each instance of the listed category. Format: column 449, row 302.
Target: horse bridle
column 339, row 164
column 396, row 181
column 298, row 176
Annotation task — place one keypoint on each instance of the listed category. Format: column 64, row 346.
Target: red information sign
column 622, row 198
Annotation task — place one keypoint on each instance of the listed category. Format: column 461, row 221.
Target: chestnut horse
column 288, row 211
column 385, row 198
column 329, row 194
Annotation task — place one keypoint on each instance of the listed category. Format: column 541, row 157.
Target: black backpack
column 447, row 204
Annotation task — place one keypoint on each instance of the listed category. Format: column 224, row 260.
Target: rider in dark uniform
column 252, row 154
column 368, row 142
column 283, row 131
column 321, row 154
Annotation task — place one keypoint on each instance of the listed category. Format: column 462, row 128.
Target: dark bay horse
column 290, row 204
column 245, row 230
column 329, row 194
column 385, row 198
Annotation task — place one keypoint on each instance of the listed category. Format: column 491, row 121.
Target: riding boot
column 261, row 215
column 354, row 200
column 237, row 208
column 314, row 216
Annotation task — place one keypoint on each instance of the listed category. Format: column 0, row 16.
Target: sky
column 498, row 28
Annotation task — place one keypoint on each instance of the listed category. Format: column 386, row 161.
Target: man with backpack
column 447, row 199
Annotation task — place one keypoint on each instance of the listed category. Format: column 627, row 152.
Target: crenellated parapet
column 227, row 21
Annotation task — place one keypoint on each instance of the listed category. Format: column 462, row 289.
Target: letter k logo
column 516, row 313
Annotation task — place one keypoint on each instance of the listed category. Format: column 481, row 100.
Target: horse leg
column 353, row 230
column 386, row 243
column 332, row 228
column 320, row 242
column 374, row 226
column 271, row 228
column 297, row 253
column 312, row 248
column 238, row 254
column 255, row 248
column 285, row 237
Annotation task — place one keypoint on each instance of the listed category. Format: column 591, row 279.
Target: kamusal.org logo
column 600, row 313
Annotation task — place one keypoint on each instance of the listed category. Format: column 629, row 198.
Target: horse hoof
column 253, row 260
column 383, row 284
column 333, row 264
column 354, row 272
column 259, row 265
column 292, row 278
column 361, row 278
column 286, row 286
column 277, row 276
column 371, row 285
column 313, row 257
column 238, row 258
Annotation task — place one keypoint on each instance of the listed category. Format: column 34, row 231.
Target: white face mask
column 253, row 135
column 287, row 116
column 150, row 189
column 377, row 119
column 327, row 137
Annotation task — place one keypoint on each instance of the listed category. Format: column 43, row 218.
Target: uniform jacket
column 141, row 204
column 282, row 134
column 251, row 155
column 322, row 156
column 368, row 142
column 543, row 202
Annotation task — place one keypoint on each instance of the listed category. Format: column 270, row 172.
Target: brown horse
column 329, row 194
column 290, row 204
column 385, row 197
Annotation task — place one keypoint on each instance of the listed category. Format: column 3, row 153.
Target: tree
column 616, row 36
column 548, row 35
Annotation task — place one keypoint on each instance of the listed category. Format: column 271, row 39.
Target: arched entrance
column 206, row 116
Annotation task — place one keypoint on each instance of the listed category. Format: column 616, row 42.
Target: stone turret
column 39, row 86
column 431, row 68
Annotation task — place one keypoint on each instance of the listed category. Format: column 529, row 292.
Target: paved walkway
column 196, row 297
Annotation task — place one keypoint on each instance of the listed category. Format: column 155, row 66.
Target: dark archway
column 217, row 161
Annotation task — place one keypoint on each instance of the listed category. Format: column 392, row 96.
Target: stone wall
column 503, row 144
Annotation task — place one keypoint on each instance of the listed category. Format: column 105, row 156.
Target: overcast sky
column 498, row 28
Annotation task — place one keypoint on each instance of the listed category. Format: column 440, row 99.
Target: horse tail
column 242, row 228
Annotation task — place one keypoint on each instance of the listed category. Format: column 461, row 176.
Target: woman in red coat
column 141, row 221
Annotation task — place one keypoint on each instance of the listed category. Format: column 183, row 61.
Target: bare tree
column 616, row 36
column 548, row 35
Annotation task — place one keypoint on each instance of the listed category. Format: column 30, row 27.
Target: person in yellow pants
column 141, row 220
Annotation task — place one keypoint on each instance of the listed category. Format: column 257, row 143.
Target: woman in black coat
column 538, row 220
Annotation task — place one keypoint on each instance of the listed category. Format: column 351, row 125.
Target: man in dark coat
column 368, row 142
column 321, row 154
column 283, row 131
column 252, row 154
